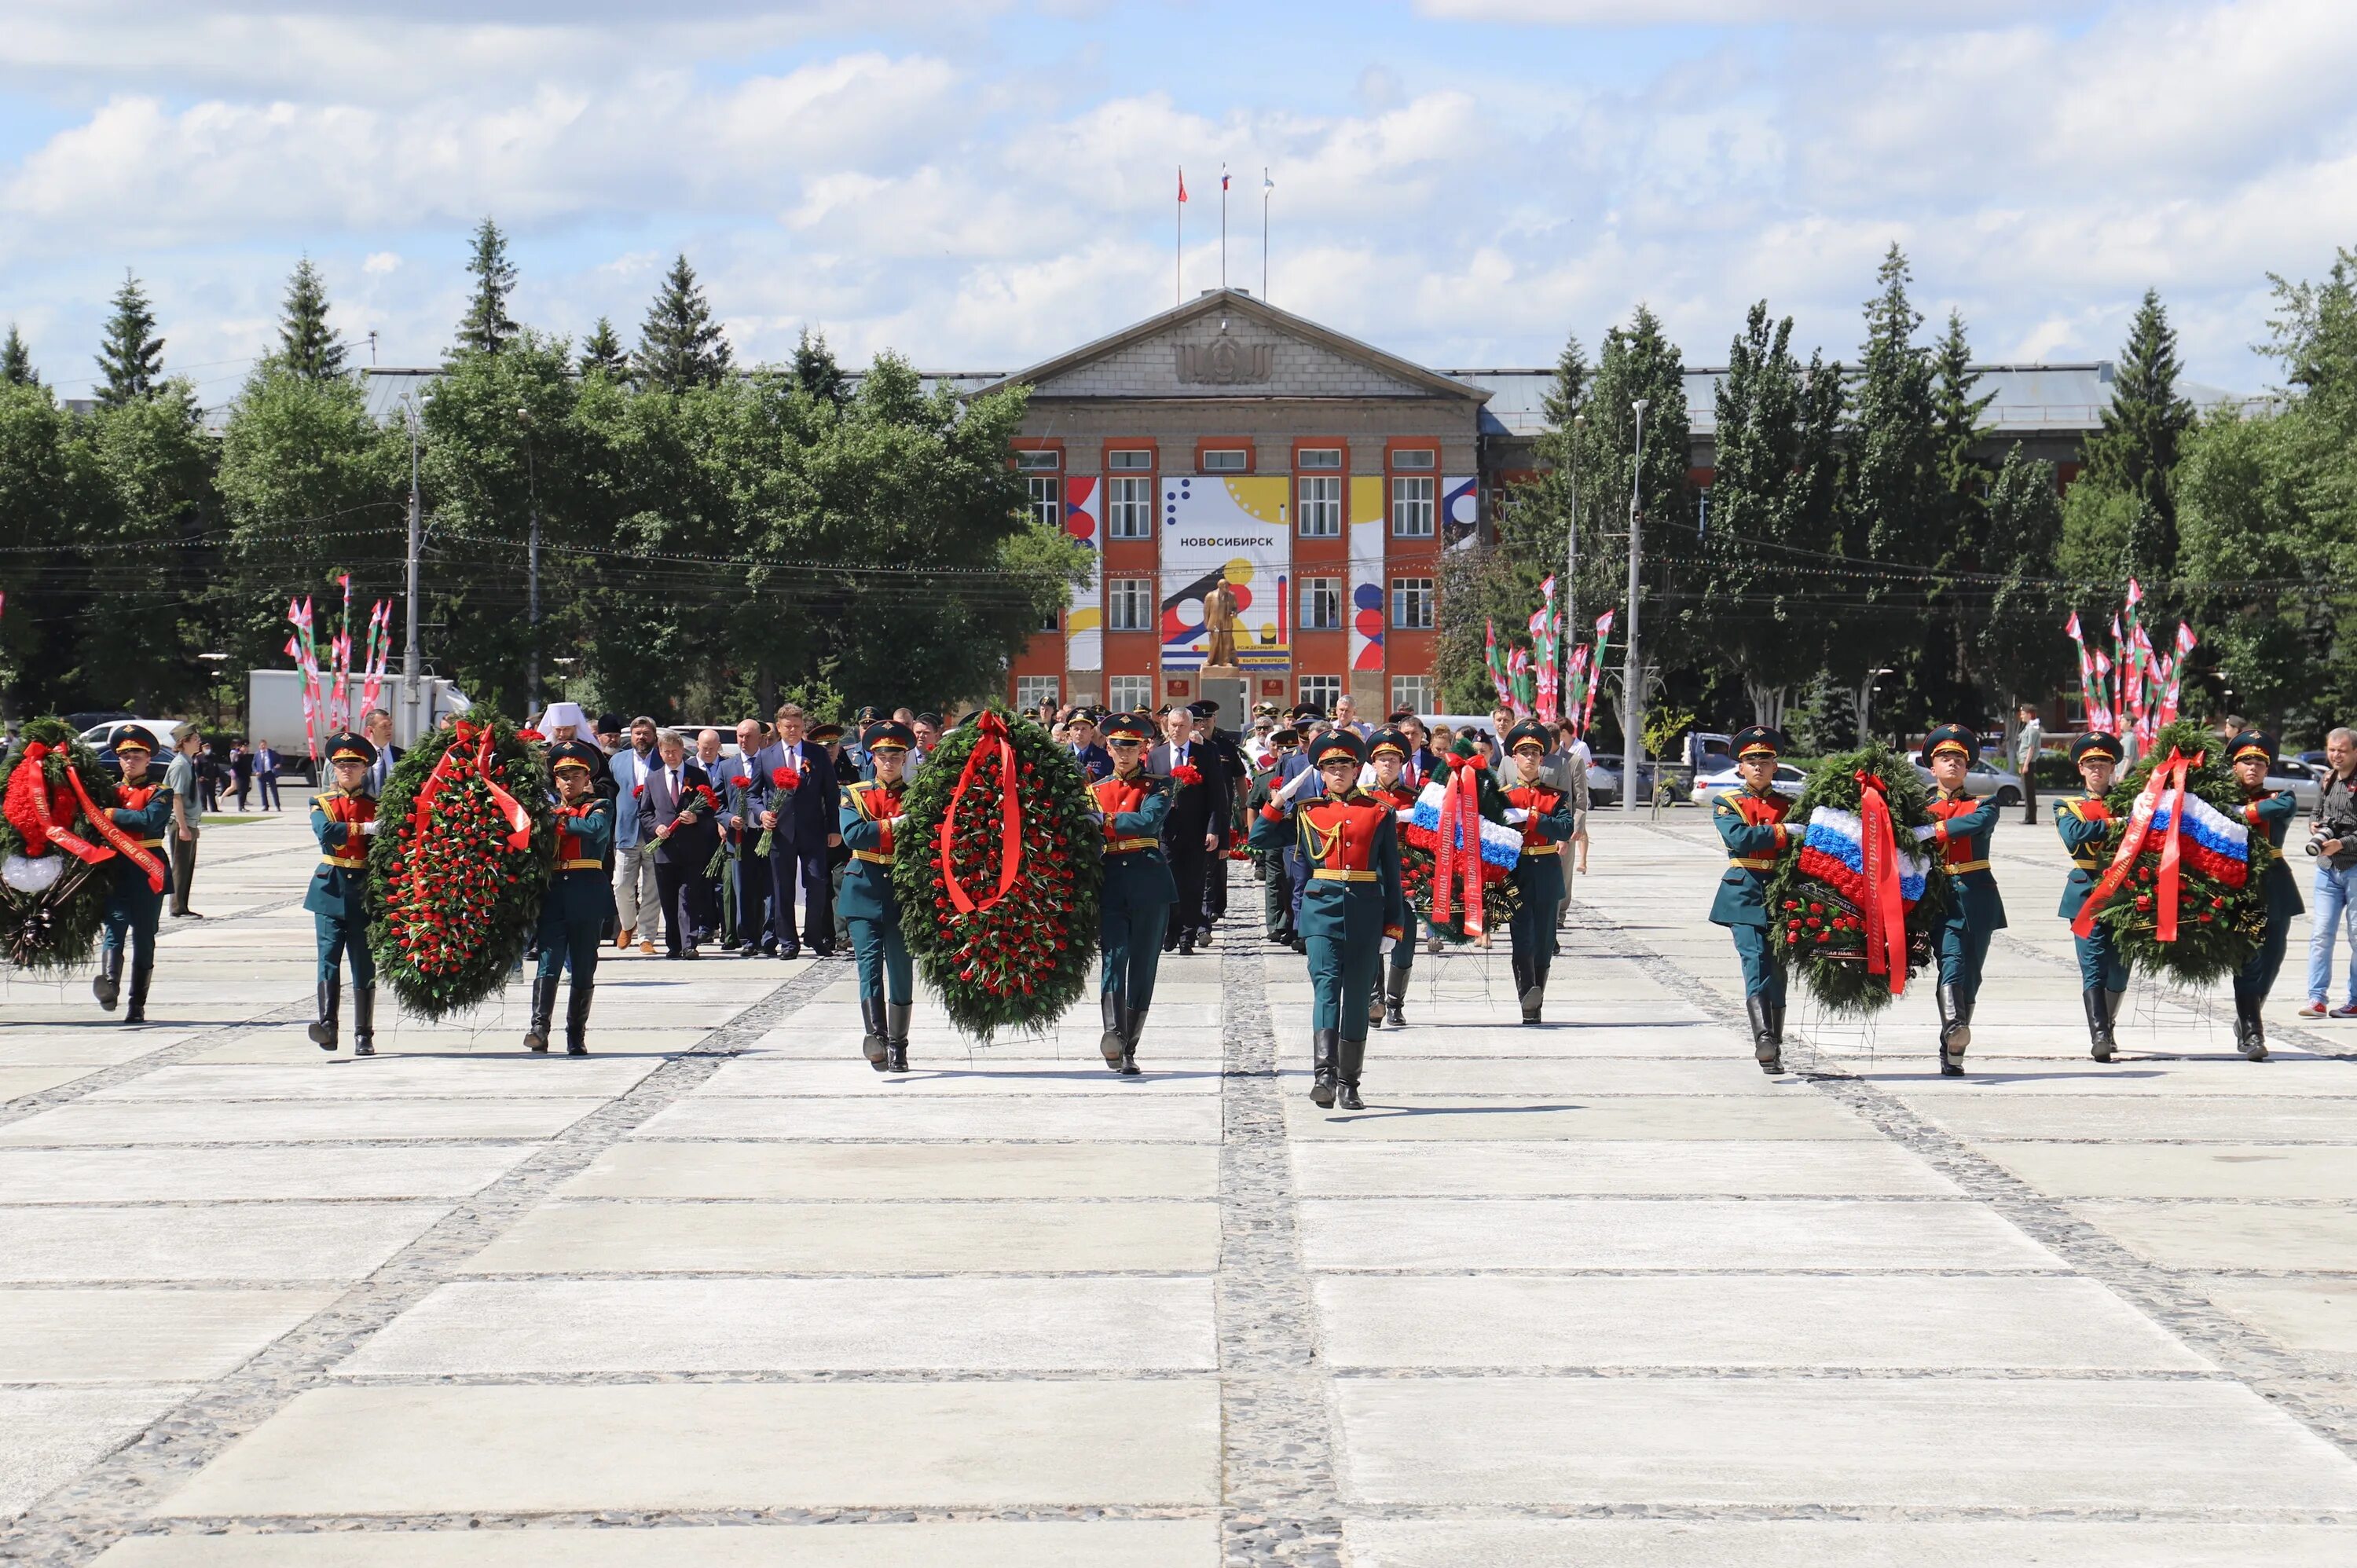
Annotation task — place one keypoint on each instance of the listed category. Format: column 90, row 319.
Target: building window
column 1321, row 505
column 1418, row 458
column 1321, row 692
column 1052, row 622
column 1227, row 460
column 1312, row 457
column 1411, row 691
column 1030, row 691
column 1412, row 603
column 1047, row 498
column 1045, row 462
column 1129, row 507
column 1321, row 604
column 1130, row 460
column 1129, row 604
column 1411, row 506
column 1129, row 694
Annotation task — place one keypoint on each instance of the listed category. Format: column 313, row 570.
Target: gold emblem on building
column 1225, row 362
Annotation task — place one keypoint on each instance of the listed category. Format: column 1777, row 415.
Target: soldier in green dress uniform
column 580, row 900
column 1353, row 911
column 134, row 900
column 1547, row 821
column 1139, row 889
column 2084, row 821
column 871, row 819
column 2270, row 812
column 1387, row 755
column 343, row 818
column 1276, row 886
column 1964, row 827
column 1751, row 822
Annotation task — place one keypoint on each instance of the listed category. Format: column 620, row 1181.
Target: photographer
column 2332, row 840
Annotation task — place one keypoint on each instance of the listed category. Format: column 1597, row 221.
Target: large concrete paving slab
column 2183, row 1170
column 981, row 1543
column 1850, row 1443
column 256, row 1242
column 1757, row 1168
column 16, row 1082
column 131, row 1336
column 130, row 1123
column 1848, row 1543
column 1766, row 1234
column 51, row 1436
column 2238, row 1119
column 999, row 1076
column 624, row 1237
column 2205, row 1236
column 1107, row 1118
column 436, row 1449
column 1866, row 1322
column 171, row 1174
column 1427, row 1034
column 878, row 1172
column 2288, row 1077
column 1557, row 1077
column 495, row 1042
column 390, row 1078
column 2316, row 1316
column 513, row 1328
column 24, row 1045
column 1800, row 1112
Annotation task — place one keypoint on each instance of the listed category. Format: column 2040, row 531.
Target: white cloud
column 1734, row 13
column 379, row 262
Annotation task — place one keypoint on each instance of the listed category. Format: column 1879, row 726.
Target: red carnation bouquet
column 783, row 777
column 1187, row 774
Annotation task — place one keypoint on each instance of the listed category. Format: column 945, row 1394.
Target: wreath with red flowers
column 456, row 876
column 56, row 873
column 997, row 876
column 1501, row 900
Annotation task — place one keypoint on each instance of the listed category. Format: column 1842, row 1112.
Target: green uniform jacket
column 586, row 894
column 866, row 825
column 1742, row 896
column 1540, row 876
column 339, row 892
column 1977, row 903
column 152, row 821
column 1336, row 910
column 1144, row 873
column 2271, row 814
column 2084, row 838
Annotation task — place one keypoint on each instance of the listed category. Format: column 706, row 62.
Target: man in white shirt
column 638, row 902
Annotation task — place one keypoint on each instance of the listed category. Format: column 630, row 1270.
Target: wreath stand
column 1466, row 982
column 2149, row 995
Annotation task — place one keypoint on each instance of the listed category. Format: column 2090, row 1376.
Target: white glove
column 1294, row 786
column 1405, row 815
column 1389, row 943
column 1517, row 816
column 1928, row 832
column 369, row 828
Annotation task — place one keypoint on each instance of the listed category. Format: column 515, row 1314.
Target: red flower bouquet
column 1187, row 773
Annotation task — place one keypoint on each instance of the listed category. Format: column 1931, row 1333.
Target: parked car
column 2304, row 785
column 1983, row 778
column 1604, row 780
column 100, row 736
column 1710, row 786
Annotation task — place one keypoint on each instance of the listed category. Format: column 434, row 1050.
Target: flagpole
column 1179, row 251
column 1264, row 188
column 1224, row 226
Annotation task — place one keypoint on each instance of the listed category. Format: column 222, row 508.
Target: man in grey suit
column 637, row 899
column 801, row 821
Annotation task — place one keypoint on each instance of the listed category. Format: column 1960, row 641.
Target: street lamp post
column 1633, row 669
column 1866, row 704
column 411, row 663
column 1571, row 565
column 532, row 603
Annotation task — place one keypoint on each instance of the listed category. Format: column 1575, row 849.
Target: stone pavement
column 1598, row 1292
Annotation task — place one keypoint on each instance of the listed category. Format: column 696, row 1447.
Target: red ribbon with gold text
column 1885, row 905
column 1460, row 816
column 991, row 746
column 124, row 844
column 2170, row 777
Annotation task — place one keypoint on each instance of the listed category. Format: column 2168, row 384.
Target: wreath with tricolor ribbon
column 1458, row 854
column 57, row 847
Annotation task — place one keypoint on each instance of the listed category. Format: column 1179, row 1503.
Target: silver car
column 1983, row 778
column 1708, row 788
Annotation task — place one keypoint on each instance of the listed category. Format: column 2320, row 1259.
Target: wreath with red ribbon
column 1429, row 878
column 456, row 876
column 57, row 843
column 997, row 875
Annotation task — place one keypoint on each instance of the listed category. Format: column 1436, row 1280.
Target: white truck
column 273, row 706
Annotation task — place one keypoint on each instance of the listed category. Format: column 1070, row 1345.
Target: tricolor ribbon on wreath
column 2186, row 828
column 1440, row 821
column 1857, row 855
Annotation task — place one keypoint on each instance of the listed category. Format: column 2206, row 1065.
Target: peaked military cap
column 1389, row 740
column 137, row 738
column 1757, row 740
column 869, row 714
column 1129, row 726
column 1340, row 743
column 1205, row 709
column 1288, row 735
column 1529, row 731
column 350, row 747
column 578, row 753
column 2096, row 743
column 1958, row 738
column 822, row 734
column 1307, row 712
column 891, row 736
column 2251, row 743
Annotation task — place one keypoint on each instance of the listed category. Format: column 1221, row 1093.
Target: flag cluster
column 327, row 705
column 2131, row 691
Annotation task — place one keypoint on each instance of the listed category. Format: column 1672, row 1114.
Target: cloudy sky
column 982, row 183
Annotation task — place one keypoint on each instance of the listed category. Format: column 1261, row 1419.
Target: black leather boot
column 577, row 1016
column 1533, row 995
column 1396, row 999
column 108, row 985
column 1354, row 1058
column 875, row 1044
column 1186, row 942
column 1776, row 1024
column 1522, row 978
column 1114, row 1043
column 1323, row 1048
column 136, row 1012
column 2099, row 1023
column 1133, row 1024
column 1765, row 1049
column 363, row 1020
column 2250, row 1029
column 331, row 997
column 896, row 1034
column 1375, row 1004
column 544, row 1008
column 1955, row 1032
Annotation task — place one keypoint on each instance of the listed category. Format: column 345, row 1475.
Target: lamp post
column 531, row 602
column 1866, row 703
column 1571, row 565
column 1632, row 696
column 410, row 660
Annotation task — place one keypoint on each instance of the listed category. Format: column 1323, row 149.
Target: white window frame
column 1224, row 460
column 1318, row 499
column 1130, row 604
column 1412, row 505
column 1322, row 691
column 1412, row 692
column 1129, row 460
column 1129, row 505
column 1047, row 498
column 1128, row 694
column 1322, row 594
column 1412, row 593
column 1046, row 460
column 1030, row 691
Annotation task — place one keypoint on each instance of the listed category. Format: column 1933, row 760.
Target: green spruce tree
column 17, row 361
column 487, row 326
column 1959, row 411
column 815, row 371
column 2144, row 429
column 307, row 346
column 680, row 346
column 1895, row 501
column 602, row 351
column 131, row 356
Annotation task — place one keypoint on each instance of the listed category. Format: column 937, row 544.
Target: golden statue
column 1219, row 611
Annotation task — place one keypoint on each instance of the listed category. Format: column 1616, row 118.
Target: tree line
column 1858, row 522
column 714, row 539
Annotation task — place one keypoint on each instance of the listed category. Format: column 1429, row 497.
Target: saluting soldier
column 1548, row 819
column 1964, row 830
column 580, row 898
column 2084, row 821
column 343, row 818
column 871, row 826
column 1387, row 754
column 135, row 899
column 1353, row 913
column 1751, row 823
column 1139, row 889
column 2254, row 757
column 1276, row 883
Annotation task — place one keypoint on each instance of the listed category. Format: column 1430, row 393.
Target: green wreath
column 452, row 903
column 2218, row 927
column 1019, row 959
column 1813, row 928
column 52, row 902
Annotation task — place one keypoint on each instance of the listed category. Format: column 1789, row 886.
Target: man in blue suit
column 637, row 903
column 801, row 820
column 1096, row 762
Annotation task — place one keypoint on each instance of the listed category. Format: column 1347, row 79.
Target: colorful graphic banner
column 1235, row 530
column 1368, row 523
column 1084, row 617
column 1460, row 510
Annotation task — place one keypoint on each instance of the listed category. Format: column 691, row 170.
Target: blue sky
column 982, row 183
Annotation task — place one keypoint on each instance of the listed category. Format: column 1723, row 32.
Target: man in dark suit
column 685, row 832
column 739, row 821
column 801, row 821
column 1199, row 811
column 1416, row 772
column 378, row 728
column 265, row 774
column 1229, row 756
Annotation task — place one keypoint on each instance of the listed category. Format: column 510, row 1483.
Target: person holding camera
column 2332, row 840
